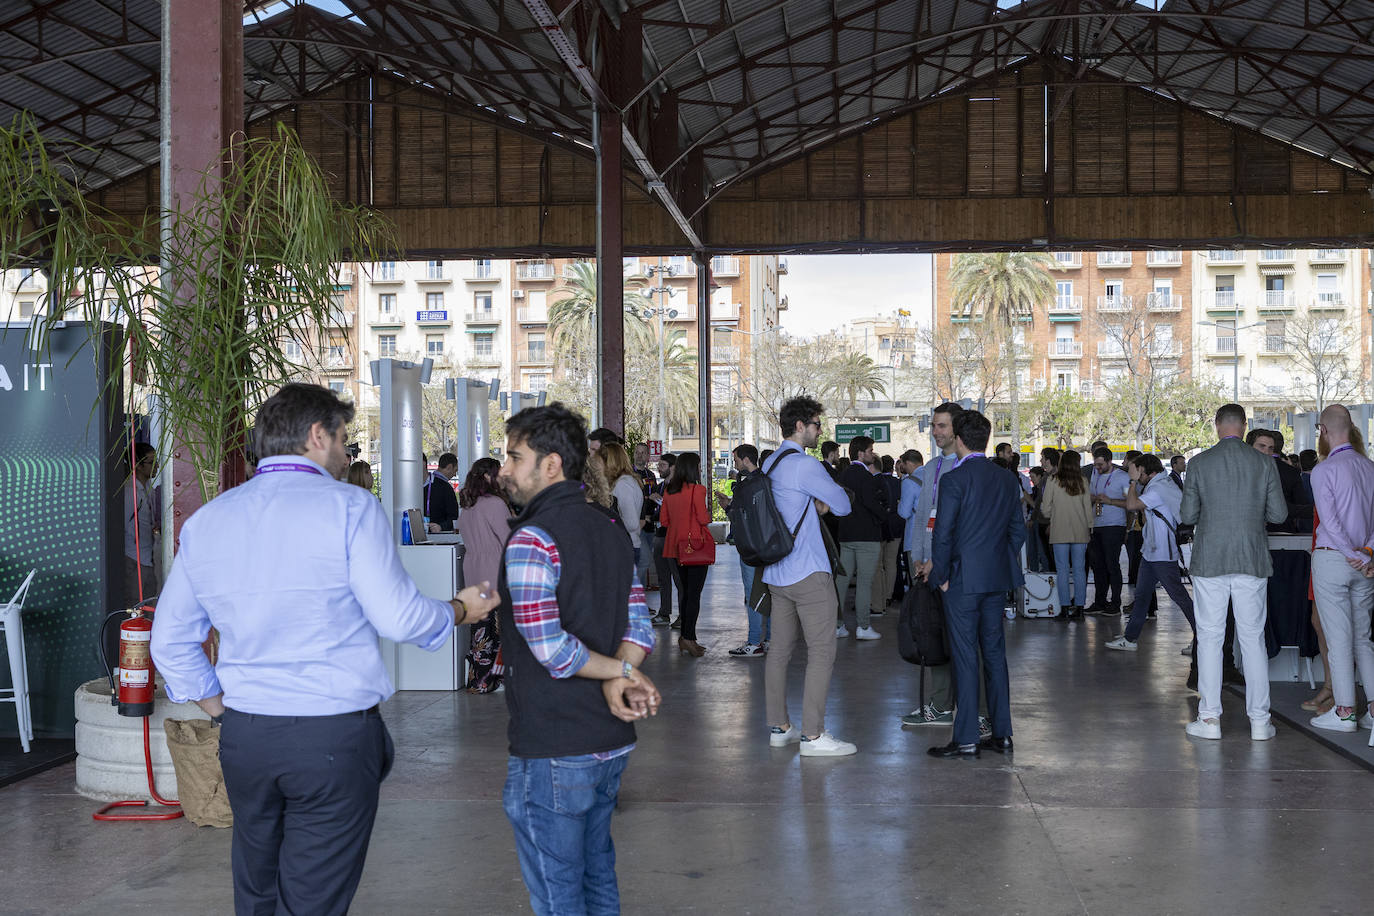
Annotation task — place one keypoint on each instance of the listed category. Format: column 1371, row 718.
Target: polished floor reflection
column 1107, row 807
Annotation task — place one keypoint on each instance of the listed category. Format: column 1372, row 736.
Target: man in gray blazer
column 1230, row 493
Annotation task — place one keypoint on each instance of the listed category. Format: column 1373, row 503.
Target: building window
column 536, row 346
column 434, row 345
column 483, row 344
column 386, row 345
column 337, row 346
column 386, row 303
column 386, row 270
column 1274, row 332
column 434, row 302
column 1226, row 335
column 292, row 349
column 1327, row 288
column 434, row 270
column 481, row 302
column 537, row 382
column 335, row 386
column 26, row 308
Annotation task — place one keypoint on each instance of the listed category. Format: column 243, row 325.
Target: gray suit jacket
column 920, row 551
column 1230, row 492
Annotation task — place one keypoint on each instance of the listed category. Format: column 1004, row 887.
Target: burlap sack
column 194, row 746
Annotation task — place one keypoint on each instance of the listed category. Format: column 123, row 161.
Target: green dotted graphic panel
column 56, row 517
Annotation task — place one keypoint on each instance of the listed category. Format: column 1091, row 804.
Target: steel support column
column 610, row 273
column 704, row 429
column 202, row 110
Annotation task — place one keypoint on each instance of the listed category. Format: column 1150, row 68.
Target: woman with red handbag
column 688, row 544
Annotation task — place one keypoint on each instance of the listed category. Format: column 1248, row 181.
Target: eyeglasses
column 815, row 423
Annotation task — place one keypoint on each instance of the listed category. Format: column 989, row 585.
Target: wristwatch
column 626, row 669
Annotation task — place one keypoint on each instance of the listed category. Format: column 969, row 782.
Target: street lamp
column 659, row 311
column 1235, row 361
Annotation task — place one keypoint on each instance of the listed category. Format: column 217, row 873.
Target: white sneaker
column 841, row 633
column 1366, row 721
column 1122, row 643
column 1334, row 723
column 826, row 745
column 984, row 727
column 1262, row 731
column 1205, row 728
column 866, row 633
column 781, row 738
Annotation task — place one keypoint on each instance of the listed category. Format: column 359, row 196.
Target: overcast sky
column 825, row 290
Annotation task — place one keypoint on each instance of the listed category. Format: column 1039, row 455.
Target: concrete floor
column 1107, row 807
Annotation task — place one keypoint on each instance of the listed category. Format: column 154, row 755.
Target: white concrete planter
column 109, row 747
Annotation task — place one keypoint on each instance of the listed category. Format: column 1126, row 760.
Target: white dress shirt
column 299, row 573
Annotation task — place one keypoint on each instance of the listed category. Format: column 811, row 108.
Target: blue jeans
column 1066, row 557
column 560, row 808
column 760, row 627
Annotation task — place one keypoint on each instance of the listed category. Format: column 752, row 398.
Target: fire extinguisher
column 135, row 696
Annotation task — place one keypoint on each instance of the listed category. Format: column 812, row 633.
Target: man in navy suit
column 975, row 561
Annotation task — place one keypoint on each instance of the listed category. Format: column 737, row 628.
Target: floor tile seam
column 1058, row 856
column 1051, row 807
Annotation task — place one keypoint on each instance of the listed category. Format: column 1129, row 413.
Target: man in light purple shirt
column 299, row 573
column 801, row 585
column 1342, row 566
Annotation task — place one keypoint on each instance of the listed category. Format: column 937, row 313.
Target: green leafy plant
column 245, row 266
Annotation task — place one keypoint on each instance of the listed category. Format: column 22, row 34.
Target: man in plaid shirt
column 575, row 627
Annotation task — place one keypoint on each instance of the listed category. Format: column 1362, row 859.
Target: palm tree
column 851, row 375
column 1004, row 288
column 572, row 319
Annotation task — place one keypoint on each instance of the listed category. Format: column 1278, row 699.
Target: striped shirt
column 533, row 568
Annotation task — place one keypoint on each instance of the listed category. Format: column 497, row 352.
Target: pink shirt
column 1343, row 487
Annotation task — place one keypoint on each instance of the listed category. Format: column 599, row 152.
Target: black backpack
column 921, row 636
column 761, row 536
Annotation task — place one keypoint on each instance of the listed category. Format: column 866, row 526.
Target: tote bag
column 697, row 547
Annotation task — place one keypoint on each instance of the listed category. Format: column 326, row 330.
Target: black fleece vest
column 551, row 717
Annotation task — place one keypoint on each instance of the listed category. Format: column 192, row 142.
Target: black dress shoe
column 954, row 750
column 1094, row 609
column 1000, row 745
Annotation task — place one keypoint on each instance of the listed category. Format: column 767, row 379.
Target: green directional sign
column 878, row 432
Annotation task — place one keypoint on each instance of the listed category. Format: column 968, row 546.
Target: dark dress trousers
column 976, row 551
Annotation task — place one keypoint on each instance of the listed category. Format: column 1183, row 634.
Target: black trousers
column 304, row 794
column 1135, row 545
column 1105, row 562
column 693, row 580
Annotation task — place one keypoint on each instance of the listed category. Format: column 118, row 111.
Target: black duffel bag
column 921, row 635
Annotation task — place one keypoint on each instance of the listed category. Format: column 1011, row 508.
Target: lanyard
column 961, row 461
column 297, row 468
column 1344, row 448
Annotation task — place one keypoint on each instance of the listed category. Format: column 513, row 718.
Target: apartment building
column 22, row 293
column 1263, row 323
column 1284, row 327
column 489, row 319
column 1112, row 311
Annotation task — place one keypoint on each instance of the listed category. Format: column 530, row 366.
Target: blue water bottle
column 405, row 528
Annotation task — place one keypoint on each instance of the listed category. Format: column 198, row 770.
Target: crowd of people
column 560, row 541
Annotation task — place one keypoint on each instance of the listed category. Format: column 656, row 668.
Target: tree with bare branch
column 1321, row 353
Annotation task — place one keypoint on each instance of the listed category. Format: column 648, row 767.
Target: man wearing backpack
column 746, row 458
column 801, row 585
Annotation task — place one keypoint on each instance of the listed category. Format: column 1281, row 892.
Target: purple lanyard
column 1344, row 448
column 297, row 468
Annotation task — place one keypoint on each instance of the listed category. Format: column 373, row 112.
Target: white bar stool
column 18, row 692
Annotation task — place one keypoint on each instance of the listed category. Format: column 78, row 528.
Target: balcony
column 1060, row 348
column 725, row 267
column 1222, row 347
column 386, row 272
column 782, row 266
column 1110, row 349
column 1068, row 260
column 340, row 318
column 1165, row 349
column 686, row 267
column 532, row 316
column 1276, row 256
column 482, row 272
column 26, row 279
column 1328, row 302
column 434, row 272
column 483, row 360
column 726, row 311
column 1330, row 256
column 337, row 362
column 1279, row 299
column 570, row 271
column 1164, row 259
column 1113, row 259
column 1066, row 305
column 536, row 355
column 1274, row 345
column 534, row 270
column 1220, row 258
column 482, row 316
column 1222, row 300
column 685, row 312
column 728, row 355
column 344, row 277
column 1115, row 303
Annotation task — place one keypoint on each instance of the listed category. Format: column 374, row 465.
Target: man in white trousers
column 1230, row 493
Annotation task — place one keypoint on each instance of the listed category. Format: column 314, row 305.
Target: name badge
column 930, row 524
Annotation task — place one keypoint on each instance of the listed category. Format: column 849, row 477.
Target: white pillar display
column 473, row 440
column 401, row 404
